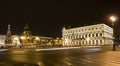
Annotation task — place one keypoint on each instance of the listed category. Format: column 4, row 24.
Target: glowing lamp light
column 37, row 38
column 16, row 38
column 22, row 37
column 113, row 18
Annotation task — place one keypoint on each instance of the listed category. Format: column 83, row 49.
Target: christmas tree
column 8, row 39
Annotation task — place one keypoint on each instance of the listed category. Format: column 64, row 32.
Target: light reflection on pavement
column 64, row 57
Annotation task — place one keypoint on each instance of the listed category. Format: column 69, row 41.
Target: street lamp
column 113, row 19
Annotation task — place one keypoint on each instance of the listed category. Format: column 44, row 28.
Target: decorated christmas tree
column 8, row 38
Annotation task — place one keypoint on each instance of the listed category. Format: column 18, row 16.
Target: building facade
column 40, row 41
column 57, row 42
column 93, row 35
column 15, row 41
column 25, row 40
column 18, row 41
column 2, row 40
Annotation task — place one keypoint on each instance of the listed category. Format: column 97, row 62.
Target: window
column 96, row 41
column 96, row 28
column 88, row 29
column 100, row 34
column 93, row 42
column 92, row 29
column 96, row 34
column 92, row 35
column 100, row 41
column 89, row 35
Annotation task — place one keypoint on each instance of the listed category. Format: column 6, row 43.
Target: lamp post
column 113, row 19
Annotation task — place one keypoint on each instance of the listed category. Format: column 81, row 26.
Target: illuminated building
column 57, row 42
column 93, row 35
column 2, row 40
column 26, row 37
column 40, row 41
column 16, row 40
column 26, row 40
column 29, row 41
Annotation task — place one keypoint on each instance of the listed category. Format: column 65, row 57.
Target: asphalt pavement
column 74, row 56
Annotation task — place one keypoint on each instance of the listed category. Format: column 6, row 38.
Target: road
column 87, row 56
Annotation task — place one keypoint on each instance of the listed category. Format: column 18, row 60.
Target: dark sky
column 47, row 17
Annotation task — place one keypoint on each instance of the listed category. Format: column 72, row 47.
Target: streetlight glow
column 37, row 38
column 22, row 37
column 113, row 18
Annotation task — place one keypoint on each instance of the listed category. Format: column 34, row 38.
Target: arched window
column 96, row 28
column 92, row 35
column 96, row 34
column 92, row 29
column 93, row 42
column 89, row 35
column 100, row 41
column 85, row 35
column 96, row 42
column 100, row 34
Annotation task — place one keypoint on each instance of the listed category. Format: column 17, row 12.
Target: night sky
column 47, row 17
